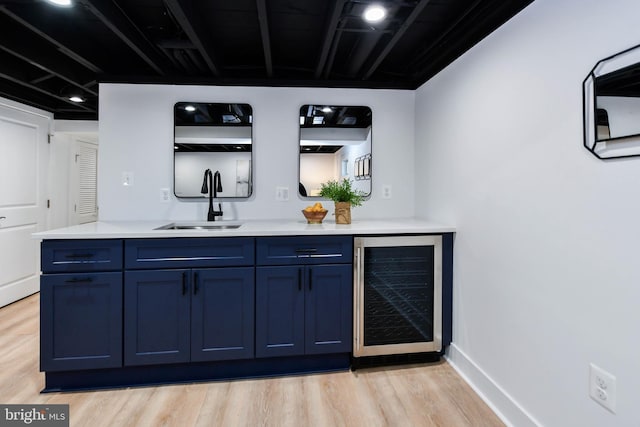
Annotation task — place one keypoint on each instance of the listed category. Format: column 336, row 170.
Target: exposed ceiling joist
column 19, row 94
column 61, row 47
column 189, row 20
column 35, row 51
column 329, row 35
column 17, row 78
column 114, row 18
column 423, row 53
column 419, row 7
column 264, row 33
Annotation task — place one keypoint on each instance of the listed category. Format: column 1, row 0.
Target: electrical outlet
column 602, row 387
column 282, row 194
column 386, row 191
column 165, row 195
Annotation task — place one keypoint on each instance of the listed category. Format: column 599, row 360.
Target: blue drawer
column 304, row 250
column 64, row 256
column 188, row 252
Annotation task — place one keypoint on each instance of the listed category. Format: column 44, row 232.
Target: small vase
column 343, row 212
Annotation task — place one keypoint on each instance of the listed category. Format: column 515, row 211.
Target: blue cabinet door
column 279, row 311
column 328, row 309
column 156, row 316
column 222, row 307
column 80, row 321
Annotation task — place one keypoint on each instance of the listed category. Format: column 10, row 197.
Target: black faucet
column 212, row 186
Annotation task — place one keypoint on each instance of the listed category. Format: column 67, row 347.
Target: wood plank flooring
column 411, row 395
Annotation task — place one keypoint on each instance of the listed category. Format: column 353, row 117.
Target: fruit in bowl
column 314, row 214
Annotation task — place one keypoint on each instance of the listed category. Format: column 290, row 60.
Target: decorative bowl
column 315, row 217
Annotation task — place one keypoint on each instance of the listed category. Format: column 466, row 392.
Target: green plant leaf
column 342, row 191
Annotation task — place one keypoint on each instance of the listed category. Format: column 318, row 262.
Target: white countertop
column 146, row 229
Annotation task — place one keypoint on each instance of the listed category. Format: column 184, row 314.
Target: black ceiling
column 49, row 52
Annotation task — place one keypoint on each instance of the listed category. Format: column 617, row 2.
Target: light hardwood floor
column 412, row 395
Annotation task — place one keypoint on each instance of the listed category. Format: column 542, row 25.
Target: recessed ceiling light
column 190, row 108
column 326, row 110
column 66, row 3
column 76, row 98
column 374, row 13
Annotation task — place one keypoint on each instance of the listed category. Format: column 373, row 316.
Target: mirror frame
column 343, row 169
column 251, row 161
column 610, row 148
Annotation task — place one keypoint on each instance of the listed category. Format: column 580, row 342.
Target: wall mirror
column 335, row 143
column 611, row 106
column 212, row 136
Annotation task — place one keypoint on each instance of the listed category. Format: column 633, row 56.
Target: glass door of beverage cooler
column 398, row 295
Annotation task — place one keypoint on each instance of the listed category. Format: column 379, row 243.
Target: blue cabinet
column 304, row 308
column 156, row 317
column 222, row 314
column 142, row 311
column 177, row 315
column 80, row 308
column 280, row 304
column 328, row 309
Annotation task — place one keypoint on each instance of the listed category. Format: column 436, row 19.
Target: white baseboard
column 17, row 290
column 506, row 408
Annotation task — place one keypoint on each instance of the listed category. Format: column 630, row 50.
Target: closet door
column 23, row 172
column 83, row 182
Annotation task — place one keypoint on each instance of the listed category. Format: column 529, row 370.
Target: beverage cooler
column 398, row 296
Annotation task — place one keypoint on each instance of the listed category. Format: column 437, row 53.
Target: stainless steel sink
column 198, row 226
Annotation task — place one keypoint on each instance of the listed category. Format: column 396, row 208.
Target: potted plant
column 344, row 196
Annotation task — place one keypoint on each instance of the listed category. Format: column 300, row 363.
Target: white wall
column 546, row 275
column 136, row 131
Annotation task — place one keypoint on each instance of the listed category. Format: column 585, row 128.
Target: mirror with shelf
column 215, row 136
column 335, row 143
column 611, row 106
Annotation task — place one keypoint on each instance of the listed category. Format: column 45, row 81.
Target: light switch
column 127, row 179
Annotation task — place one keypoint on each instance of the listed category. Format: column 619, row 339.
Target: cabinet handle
column 306, row 250
column 196, row 282
column 184, row 282
column 87, row 255
column 80, row 280
column 310, row 279
column 299, row 279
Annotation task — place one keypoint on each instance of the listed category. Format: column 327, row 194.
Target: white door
column 23, row 171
